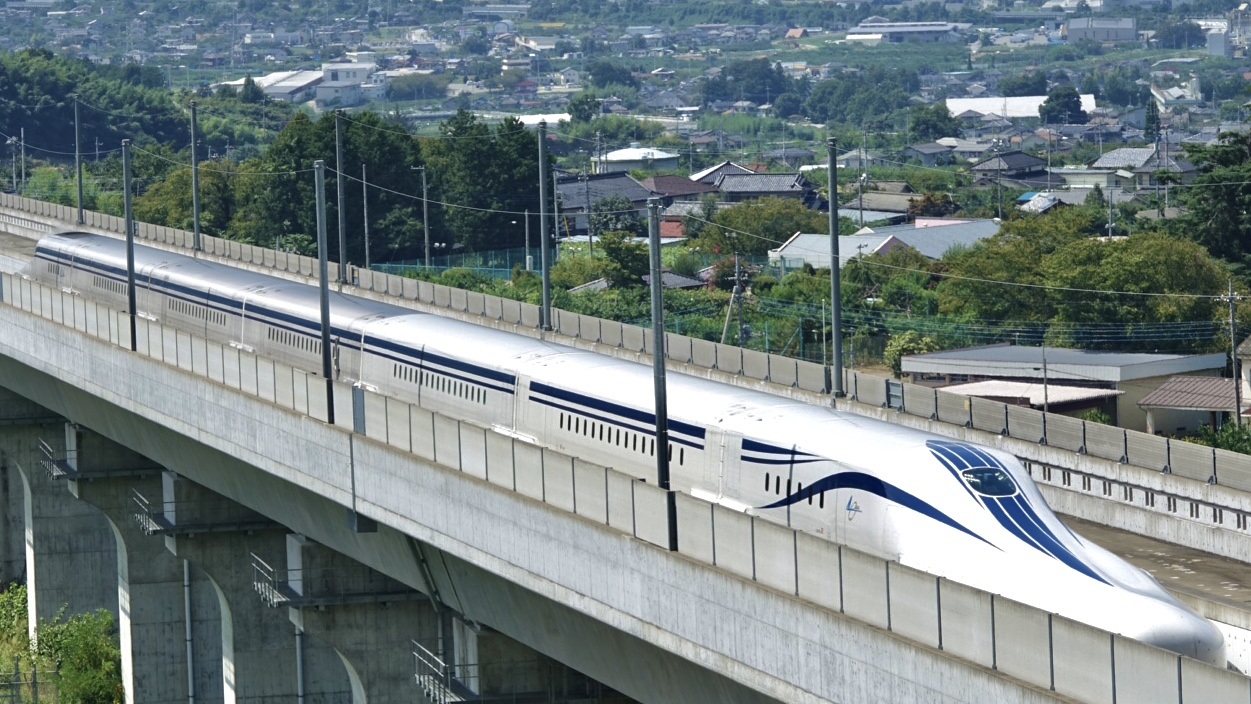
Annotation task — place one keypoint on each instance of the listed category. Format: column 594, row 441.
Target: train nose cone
column 1192, row 636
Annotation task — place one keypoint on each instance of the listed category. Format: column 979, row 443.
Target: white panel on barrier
column 425, row 291
column 199, row 356
column 864, row 588
column 528, row 468
column 365, row 280
column 566, row 323
column 318, row 406
column 729, row 359
column 376, row 416
column 91, row 317
column 398, row 424
column 80, row 315
column 651, row 515
column 510, row 311
column 442, row 295
column 620, row 501
column 299, row 390
column 1083, row 661
column 408, row 288
column 610, row 333
column 391, row 284
column 284, row 393
column 1022, row 643
column 914, row 604
column 475, row 303
column 230, row 367
column 704, row 354
column 529, row 315
column 491, row 305
column 775, row 555
column 817, row 560
column 342, row 399
column 811, row 377
column 457, row 299
column 446, row 442
column 558, row 480
column 588, row 328
column 473, row 441
column 247, row 373
column 169, row 345
column 678, row 347
column 1145, row 674
column 784, row 371
column 1203, row 683
column 966, row 622
column 588, row 490
column 265, row 378
column 632, row 337
column 695, row 528
column 732, row 541
column 499, row 460
column 421, row 430
column 755, row 364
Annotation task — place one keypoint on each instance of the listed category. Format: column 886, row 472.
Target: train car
column 947, row 507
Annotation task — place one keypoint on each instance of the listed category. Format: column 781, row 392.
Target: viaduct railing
column 1037, row 647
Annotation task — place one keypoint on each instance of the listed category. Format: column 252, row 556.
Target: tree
column 1063, row 106
column 903, row 344
column 932, row 122
column 1179, row 35
column 1024, row 84
column 251, row 93
column 788, row 104
column 616, row 214
column 606, row 73
column 627, row 260
column 1151, row 125
column 759, row 225
column 931, row 205
column 583, row 107
column 1219, row 200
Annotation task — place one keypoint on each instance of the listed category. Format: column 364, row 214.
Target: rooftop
column 1062, row 363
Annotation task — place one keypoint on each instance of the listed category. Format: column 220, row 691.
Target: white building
column 635, row 157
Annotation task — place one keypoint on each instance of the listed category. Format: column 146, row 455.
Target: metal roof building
column 1135, row 373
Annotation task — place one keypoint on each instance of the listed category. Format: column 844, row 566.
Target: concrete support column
column 373, row 626
column 259, row 662
column 71, row 555
column 152, row 603
column 21, row 423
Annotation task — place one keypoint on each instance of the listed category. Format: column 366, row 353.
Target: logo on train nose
column 852, row 508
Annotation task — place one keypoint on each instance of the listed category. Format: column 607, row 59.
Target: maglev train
column 949, row 508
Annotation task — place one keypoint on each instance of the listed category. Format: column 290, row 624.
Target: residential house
column 1011, row 165
column 931, row 237
column 577, row 193
column 793, row 157
column 677, row 188
column 928, row 153
column 569, row 77
column 1145, row 163
column 712, row 174
column 858, row 160
column 737, row 188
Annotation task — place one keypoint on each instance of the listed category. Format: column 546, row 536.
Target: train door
column 731, row 484
column 153, row 303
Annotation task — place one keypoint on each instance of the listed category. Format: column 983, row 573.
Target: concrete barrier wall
column 1098, row 441
column 1042, row 649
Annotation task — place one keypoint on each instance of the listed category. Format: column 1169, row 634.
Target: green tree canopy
column 1219, row 199
column 1063, row 106
column 756, row 226
column 930, row 122
column 1033, row 83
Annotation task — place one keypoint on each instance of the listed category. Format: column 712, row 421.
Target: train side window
column 681, row 455
column 777, row 484
column 823, row 499
column 768, row 480
column 635, row 441
column 651, row 447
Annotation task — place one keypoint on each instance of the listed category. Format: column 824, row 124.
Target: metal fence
column 29, row 686
column 1030, row 644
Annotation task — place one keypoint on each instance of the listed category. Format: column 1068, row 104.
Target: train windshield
column 990, row 481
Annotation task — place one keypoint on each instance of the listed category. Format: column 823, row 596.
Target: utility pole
column 864, row 169
column 529, row 259
column 23, row 160
column 738, row 297
column 590, row 231
column 365, row 208
column 1233, row 355
column 1109, row 211
column 658, row 372
column 599, row 154
column 195, row 184
column 338, row 168
column 131, row 304
column 425, row 211
column 78, row 163
column 1046, row 405
column 836, row 304
column 327, row 368
column 545, row 311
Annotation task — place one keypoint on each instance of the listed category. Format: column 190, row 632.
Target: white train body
column 947, row 507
